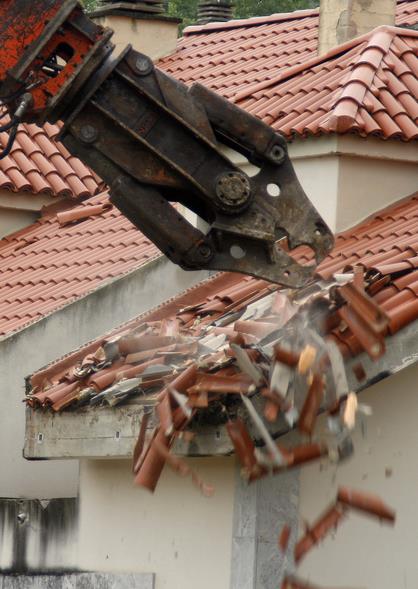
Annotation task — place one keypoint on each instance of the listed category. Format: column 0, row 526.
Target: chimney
column 342, row 20
column 213, row 11
column 142, row 23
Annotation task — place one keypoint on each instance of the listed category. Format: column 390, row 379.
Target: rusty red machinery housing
column 154, row 141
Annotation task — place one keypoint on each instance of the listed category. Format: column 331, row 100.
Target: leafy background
column 187, row 9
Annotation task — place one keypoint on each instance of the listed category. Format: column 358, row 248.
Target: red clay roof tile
column 41, row 165
column 347, row 90
column 45, row 266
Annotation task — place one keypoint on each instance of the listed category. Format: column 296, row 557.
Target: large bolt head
column 88, row 134
column 143, row 65
column 277, row 153
column 233, row 190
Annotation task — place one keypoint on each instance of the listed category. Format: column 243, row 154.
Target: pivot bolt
column 233, row 190
column 277, row 153
column 143, row 65
column 88, row 133
column 205, row 251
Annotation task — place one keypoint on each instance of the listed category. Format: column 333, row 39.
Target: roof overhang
column 98, row 433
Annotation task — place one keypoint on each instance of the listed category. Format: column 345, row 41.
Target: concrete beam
column 102, row 432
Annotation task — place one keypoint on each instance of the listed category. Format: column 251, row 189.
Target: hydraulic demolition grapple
column 155, row 141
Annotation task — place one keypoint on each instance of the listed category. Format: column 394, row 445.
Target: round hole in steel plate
column 237, row 252
column 273, row 190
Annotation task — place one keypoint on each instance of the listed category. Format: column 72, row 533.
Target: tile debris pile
column 41, row 165
column 267, row 353
column 238, row 55
column 367, row 86
column 383, row 250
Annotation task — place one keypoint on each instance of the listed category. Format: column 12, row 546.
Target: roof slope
column 41, row 165
column 368, row 86
column 46, row 265
column 385, row 245
column 237, row 55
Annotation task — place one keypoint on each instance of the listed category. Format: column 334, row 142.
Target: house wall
column 20, row 209
column 59, row 333
column 372, row 178
column 156, row 37
column 348, row 178
column 342, row 20
column 363, row 552
column 177, row 533
column 12, row 220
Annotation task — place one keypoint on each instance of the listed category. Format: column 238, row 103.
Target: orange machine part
column 21, row 23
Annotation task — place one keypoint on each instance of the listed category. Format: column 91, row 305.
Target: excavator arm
column 154, row 141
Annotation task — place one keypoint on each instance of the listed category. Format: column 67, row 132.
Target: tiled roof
column 233, row 57
column 386, row 246
column 46, row 265
column 41, row 165
column 368, row 86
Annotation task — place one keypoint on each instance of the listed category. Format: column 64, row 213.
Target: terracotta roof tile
column 222, row 56
column 45, row 266
column 237, row 56
column 41, row 165
column 355, row 88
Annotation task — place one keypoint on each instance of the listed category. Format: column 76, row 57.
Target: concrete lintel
column 105, row 432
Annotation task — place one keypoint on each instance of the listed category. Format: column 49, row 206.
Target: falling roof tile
column 46, row 266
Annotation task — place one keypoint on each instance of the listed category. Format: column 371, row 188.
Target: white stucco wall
column 348, row 178
column 20, row 209
column 49, row 339
column 363, row 552
column 177, row 533
column 12, row 220
column 367, row 184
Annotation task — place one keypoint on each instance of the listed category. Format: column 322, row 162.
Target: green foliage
column 248, row 8
column 187, row 9
column 89, row 4
column 184, row 9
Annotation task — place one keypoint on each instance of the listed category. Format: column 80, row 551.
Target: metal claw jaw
column 252, row 243
column 122, row 111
